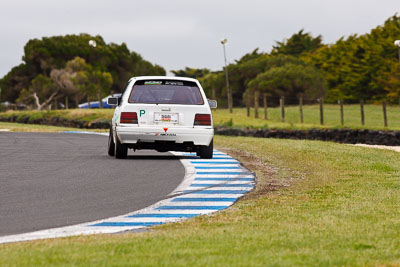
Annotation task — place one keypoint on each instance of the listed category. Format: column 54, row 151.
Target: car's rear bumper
column 199, row 136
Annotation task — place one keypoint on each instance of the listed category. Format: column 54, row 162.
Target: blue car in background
column 96, row 104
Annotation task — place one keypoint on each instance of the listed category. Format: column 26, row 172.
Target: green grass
column 341, row 209
column 77, row 114
column 22, row 127
column 352, row 117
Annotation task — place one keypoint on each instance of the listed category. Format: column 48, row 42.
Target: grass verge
column 86, row 115
column 315, row 204
column 352, row 119
column 22, row 127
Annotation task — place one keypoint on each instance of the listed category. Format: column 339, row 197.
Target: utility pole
column 223, row 42
column 93, row 44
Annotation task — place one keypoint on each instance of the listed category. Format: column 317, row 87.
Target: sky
column 183, row 33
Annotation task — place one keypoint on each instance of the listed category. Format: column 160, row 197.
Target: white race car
column 163, row 114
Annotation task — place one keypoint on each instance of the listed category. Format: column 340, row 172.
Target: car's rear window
column 166, row 92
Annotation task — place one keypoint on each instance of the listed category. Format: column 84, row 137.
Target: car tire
column 111, row 144
column 206, row 152
column 121, row 150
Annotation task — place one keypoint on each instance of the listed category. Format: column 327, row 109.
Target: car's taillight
column 129, row 117
column 202, row 119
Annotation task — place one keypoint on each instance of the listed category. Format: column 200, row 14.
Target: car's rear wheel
column 121, row 150
column 206, row 152
column 111, row 144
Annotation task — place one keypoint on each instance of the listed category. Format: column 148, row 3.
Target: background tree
column 298, row 44
column 92, row 82
column 250, row 66
column 103, row 81
column 42, row 91
column 290, row 81
column 390, row 81
column 13, row 82
column 62, row 78
column 212, row 84
column 356, row 67
column 41, row 56
column 361, row 66
column 192, row 73
column 73, row 67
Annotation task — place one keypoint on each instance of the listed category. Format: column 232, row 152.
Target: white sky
column 179, row 33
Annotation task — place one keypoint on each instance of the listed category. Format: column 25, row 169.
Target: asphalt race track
column 51, row 180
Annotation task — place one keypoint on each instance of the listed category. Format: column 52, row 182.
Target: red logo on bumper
column 165, row 129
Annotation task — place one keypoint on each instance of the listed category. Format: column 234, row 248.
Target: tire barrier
column 347, row 136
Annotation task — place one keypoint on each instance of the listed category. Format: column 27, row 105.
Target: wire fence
column 262, row 103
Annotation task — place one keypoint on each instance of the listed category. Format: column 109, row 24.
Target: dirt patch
column 268, row 178
column 394, row 148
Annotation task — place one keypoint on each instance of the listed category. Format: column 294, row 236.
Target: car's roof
column 163, row 78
